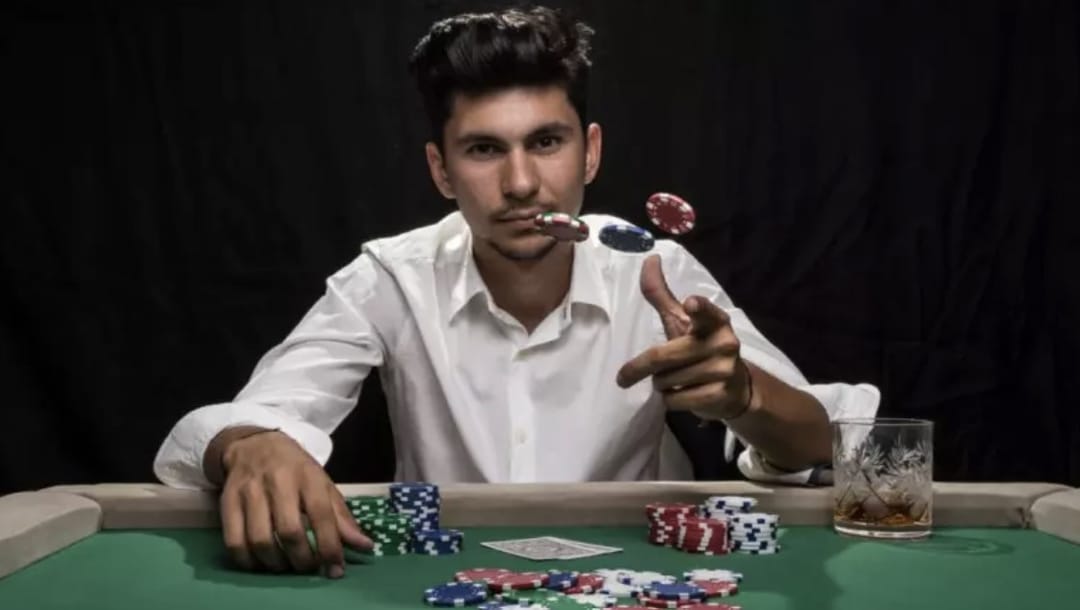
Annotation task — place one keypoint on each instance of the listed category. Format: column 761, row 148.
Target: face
column 510, row 155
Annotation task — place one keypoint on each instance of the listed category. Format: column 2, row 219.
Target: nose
column 520, row 179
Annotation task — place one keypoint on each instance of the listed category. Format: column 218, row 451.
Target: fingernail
column 335, row 570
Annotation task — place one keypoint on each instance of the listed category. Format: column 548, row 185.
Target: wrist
column 220, row 453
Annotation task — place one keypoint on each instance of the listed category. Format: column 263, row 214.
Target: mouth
column 522, row 216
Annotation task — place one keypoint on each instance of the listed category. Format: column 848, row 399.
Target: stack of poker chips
column 719, row 507
column 437, row 542
column 703, row 536
column 390, row 533
column 749, row 532
column 418, row 501
column 664, row 520
column 755, row 533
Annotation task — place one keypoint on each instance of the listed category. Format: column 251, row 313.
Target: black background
column 886, row 187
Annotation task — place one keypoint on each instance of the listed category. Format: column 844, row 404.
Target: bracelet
column 749, row 398
column 749, row 401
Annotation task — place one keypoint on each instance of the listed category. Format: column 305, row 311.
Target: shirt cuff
column 179, row 461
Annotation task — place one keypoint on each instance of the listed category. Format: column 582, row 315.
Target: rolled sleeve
column 179, row 461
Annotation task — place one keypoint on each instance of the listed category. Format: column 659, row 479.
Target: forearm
column 788, row 426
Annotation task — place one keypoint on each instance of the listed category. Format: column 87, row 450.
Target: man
column 506, row 355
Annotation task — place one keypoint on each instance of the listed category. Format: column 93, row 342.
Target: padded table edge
column 35, row 524
column 149, row 505
column 1058, row 514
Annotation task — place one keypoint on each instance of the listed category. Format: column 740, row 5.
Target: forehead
column 510, row 113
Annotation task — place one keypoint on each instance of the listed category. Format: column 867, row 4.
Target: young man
column 506, row 355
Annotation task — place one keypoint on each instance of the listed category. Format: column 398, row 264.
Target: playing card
column 546, row 548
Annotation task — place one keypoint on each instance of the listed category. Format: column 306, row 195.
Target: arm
column 304, row 387
column 718, row 366
column 787, row 425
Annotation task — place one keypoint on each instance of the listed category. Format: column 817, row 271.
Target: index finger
column 677, row 352
column 705, row 317
column 319, row 506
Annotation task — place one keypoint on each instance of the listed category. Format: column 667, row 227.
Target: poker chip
column 616, row 588
column 588, row 582
column 716, row 588
column 419, row 502
column 627, row 238
column 438, row 542
column 455, row 594
column 670, row 213
column 559, row 580
column 682, row 591
column 707, row 574
column 563, row 227
column 596, row 600
column 652, row 602
column 484, row 575
column 518, row 580
column 642, row 578
column 710, row 606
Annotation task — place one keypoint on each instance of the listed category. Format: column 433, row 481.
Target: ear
column 593, row 146
column 438, row 170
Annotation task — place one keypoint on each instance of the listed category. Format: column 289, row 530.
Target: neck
column 527, row 290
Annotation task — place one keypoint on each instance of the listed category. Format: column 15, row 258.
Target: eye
column 548, row 142
column 481, row 149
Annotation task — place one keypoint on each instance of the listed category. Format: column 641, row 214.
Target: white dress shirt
column 472, row 396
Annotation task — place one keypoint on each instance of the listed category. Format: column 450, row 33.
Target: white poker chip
column 722, row 575
column 615, row 588
column 596, row 600
column 639, row 578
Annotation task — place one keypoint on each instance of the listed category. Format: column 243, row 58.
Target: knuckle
column 291, row 533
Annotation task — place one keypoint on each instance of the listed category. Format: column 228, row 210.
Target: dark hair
column 476, row 53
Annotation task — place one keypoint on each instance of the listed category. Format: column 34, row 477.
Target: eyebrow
column 552, row 128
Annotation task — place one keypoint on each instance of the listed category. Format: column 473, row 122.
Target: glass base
column 883, row 532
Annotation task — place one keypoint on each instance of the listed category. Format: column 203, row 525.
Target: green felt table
column 143, row 546
column 988, row 568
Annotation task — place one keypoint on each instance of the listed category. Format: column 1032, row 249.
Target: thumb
column 655, row 290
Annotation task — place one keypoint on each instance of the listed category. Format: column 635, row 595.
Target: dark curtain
column 886, row 188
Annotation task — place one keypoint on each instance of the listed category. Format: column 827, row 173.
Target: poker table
column 139, row 546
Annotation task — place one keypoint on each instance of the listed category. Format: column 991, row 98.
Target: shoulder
column 381, row 261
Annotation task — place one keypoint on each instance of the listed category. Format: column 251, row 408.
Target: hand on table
column 271, row 482
column 699, row 368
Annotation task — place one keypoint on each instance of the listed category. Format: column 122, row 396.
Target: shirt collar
column 588, row 286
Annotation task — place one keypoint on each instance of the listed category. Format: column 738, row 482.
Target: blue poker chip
column 680, row 591
column 627, row 238
column 559, row 580
column 443, row 535
column 456, row 594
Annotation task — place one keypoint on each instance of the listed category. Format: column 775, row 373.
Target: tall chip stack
column 748, row 532
column 418, row 501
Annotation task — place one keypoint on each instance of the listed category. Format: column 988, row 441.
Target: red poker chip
column 586, row 583
column 670, row 213
column 485, row 575
column 717, row 588
column 710, row 606
column 516, row 581
column 665, row 603
column 670, row 507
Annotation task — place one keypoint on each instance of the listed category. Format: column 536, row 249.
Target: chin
column 529, row 248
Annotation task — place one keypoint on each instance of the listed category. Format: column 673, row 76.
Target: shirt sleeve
column 304, row 386
column 687, row 276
